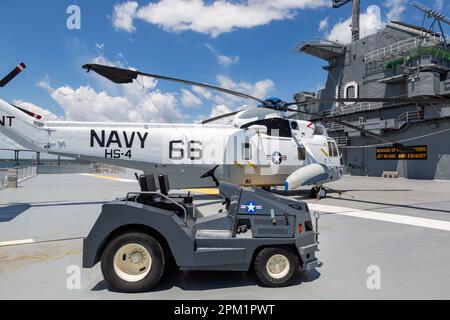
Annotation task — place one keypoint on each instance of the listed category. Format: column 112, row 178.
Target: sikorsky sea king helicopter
column 261, row 146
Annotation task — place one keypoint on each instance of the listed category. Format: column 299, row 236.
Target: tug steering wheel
column 211, row 173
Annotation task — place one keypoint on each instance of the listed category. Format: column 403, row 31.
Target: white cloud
column 87, row 104
column 323, row 23
column 259, row 89
column 218, row 111
column 45, row 84
column 159, row 107
column 209, row 18
column 205, row 93
column 124, row 15
column 371, row 22
column 221, row 58
column 140, row 101
column 132, row 104
column 396, row 8
column 439, row 5
column 190, row 100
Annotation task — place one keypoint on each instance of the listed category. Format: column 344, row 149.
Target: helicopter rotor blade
column 344, row 123
column 418, row 100
column 12, row 74
column 226, row 115
column 121, row 76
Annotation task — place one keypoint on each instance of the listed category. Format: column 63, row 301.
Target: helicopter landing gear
column 318, row 192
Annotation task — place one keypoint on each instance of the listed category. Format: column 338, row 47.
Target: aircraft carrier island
column 400, row 61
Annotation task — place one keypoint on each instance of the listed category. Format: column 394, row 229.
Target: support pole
column 16, row 157
column 38, row 158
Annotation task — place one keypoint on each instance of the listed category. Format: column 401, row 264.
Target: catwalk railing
column 23, row 173
column 399, row 48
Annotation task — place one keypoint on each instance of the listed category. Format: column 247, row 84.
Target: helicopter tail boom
column 20, row 126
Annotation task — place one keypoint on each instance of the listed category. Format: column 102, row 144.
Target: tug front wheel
column 133, row 262
column 276, row 267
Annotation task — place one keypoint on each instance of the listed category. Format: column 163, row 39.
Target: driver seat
column 147, row 184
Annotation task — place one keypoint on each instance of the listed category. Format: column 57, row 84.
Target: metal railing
column 412, row 116
column 342, row 141
column 401, row 47
column 357, row 107
column 333, row 126
column 23, row 173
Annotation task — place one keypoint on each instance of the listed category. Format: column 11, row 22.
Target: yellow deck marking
column 92, row 175
column 238, row 165
column 208, row 191
column 252, row 165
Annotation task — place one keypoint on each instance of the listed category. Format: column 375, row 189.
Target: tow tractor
column 135, row 237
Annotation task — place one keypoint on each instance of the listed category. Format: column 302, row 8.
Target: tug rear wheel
column 276, row 267
column 133, row 262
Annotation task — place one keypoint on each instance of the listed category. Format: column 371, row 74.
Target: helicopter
column 261, row 146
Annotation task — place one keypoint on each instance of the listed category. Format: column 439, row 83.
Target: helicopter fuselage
column 261, row 152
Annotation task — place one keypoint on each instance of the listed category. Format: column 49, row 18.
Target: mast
column 355, row 20
column 356, row 12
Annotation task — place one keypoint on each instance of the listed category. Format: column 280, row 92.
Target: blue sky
column 245, row 50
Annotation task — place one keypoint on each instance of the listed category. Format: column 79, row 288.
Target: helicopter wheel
column 313, row 192
column 322, row 193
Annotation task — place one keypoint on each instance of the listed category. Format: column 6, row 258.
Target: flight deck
column 382, row 239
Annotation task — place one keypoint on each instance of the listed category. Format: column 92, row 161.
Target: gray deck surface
column 57, row 211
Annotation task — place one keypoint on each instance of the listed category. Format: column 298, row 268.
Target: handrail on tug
column 162, row 195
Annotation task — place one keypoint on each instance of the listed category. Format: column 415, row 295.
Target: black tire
column 266, row 188
column 322, row 193
column 157, row 265
column 261, row 267
column 313, row 193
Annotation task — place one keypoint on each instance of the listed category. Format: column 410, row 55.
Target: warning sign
column 406, row 153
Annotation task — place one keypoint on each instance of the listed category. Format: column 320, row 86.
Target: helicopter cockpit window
column 335, row 150
column 294, row 125
column 247, row 151
column 276, row 127
column 301, row 153
column 319, row 130
column 332, row 149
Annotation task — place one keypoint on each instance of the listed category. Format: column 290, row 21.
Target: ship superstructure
column 401, row 60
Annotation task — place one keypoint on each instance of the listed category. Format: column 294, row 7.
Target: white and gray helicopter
column 260, row 147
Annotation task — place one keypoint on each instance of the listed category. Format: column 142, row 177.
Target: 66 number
column 178, row 150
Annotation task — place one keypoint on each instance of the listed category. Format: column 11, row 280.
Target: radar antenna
column 438, row 17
